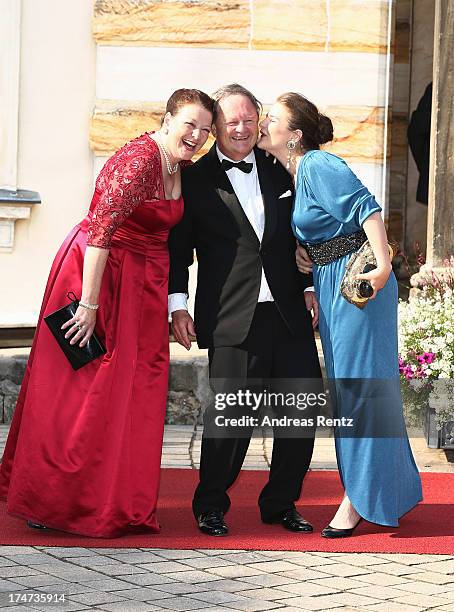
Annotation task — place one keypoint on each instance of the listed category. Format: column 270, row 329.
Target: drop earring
column 291, row 145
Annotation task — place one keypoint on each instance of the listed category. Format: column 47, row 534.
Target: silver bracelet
column 88, row 306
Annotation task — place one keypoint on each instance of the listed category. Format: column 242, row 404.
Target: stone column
column 440, row 230
column 9, row 90
column 14, row 203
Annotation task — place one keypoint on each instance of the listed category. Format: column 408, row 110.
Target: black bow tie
column 242, row 165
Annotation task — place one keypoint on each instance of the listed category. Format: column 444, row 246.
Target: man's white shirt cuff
column 309, row 289
column 178, row 301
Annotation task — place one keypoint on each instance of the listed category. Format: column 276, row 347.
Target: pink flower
column 408, row 372
column 426, row 358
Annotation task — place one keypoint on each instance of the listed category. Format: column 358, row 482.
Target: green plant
column 426, row 348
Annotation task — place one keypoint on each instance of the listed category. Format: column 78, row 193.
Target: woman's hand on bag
column 81, row 326
column 377, row 278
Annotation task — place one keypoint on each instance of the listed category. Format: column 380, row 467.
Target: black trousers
column 269, row 352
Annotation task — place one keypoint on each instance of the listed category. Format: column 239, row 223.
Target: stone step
column 189, row 390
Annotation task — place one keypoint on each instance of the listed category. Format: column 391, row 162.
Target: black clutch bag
column 77, row 356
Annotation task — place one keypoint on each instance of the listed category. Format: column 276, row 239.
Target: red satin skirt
column 83, row 454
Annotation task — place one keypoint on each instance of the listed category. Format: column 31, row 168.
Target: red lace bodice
column 130, row 177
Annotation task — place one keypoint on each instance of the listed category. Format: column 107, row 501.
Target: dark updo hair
column 182, row 97
column 317, row 128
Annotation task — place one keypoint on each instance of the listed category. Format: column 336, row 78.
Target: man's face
column 236, row 127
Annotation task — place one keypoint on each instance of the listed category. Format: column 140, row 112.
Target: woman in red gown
column 84, row 449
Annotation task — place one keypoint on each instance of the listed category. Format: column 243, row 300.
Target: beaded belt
column 326, row 252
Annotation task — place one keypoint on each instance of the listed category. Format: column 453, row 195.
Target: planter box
column 438, row 438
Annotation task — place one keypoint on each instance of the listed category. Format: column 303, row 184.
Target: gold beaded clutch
column 358, row 292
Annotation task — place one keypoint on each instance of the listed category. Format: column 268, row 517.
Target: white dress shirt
column 247, row 189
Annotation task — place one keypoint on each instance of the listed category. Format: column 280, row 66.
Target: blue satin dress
column 378, row 471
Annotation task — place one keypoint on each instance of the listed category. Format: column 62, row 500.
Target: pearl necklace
column 170, row 169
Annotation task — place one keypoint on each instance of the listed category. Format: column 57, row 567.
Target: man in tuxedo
column 251, row 310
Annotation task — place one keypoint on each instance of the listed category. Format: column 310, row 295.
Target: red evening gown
column 84, row 449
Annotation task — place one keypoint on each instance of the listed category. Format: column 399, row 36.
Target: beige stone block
column 274, row 566
column 358, row 130
column 396, row 569
column 433, row 577
column 115, row 122
column 267, row 594
column 307, row 588
column 293, row 25
column 341, row 584
column 426, row 588
column 235, row 571
column 354, row 599
column 424, row 601
column 378, row 591
column 443, row 567
column 304, row 574
column 396, row 607
column 309, row 25
column 137, row 73
column 414, row 558
column 322, row 603
column 344, row 570
column 205, row 23
column 358, row 133
column 344, row 25
column 359, row 559
column 307, row 559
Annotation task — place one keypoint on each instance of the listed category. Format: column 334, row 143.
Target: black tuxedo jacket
column 230, row 256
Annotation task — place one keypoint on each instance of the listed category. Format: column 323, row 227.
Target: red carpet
column 429, row 528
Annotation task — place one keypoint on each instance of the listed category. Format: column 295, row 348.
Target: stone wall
column 56, row 94
column 11, row 374
column 421, row 75
column 337, row 53
column 399, row 122
column 297, row 25
column 117, row 62
column 189, row 391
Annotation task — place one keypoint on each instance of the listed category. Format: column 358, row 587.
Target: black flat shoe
column 212, row 523
column 332, row 532
column 292, row 520
column 33, row 525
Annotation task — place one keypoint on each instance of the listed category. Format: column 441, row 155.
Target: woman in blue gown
column 376, row 465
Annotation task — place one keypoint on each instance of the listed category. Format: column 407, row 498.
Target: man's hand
column 312, row 305
column 303, row 262
column 183, row 327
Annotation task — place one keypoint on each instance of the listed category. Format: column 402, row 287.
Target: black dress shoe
column 212, row 523
column 332, row 532
column 292, row 520
column 33, row 525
